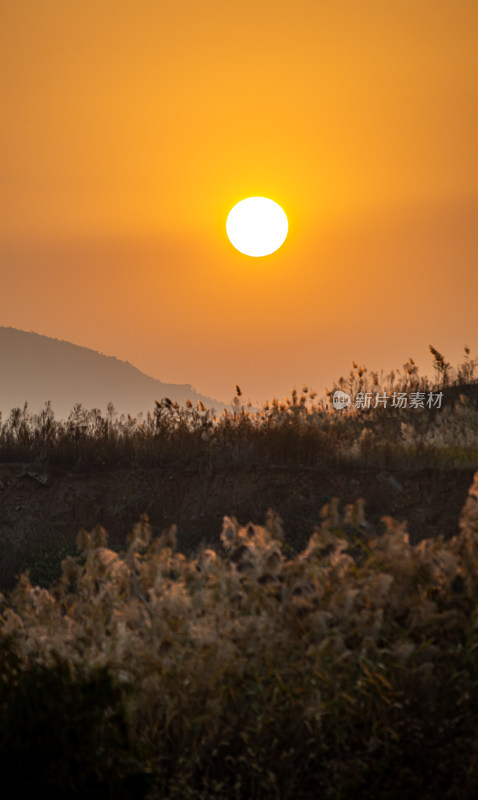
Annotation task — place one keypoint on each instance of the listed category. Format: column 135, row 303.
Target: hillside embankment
column 41, row 511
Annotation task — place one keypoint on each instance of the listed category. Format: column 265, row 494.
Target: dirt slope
column 41, row 513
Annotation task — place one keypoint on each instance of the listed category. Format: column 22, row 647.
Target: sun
column 257, row 226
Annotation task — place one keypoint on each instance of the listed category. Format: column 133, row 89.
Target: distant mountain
column 35, row 368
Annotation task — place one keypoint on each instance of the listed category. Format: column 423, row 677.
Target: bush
column 64, row 733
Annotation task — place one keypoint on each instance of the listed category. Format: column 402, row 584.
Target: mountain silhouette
column 35, row 369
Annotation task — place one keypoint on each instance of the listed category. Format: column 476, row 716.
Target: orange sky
column 129, row 129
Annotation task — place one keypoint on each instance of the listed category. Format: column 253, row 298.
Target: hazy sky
column 128, row 130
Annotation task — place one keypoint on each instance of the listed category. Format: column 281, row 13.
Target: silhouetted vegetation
column 298, row 430
column 347, row 670
column 64, row 730
column 249, row 670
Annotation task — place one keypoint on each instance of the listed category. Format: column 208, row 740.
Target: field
column 270, row 604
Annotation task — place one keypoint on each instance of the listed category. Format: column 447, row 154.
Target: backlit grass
column 349, row 669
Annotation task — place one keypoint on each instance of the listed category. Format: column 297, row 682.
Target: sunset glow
column 130, row 131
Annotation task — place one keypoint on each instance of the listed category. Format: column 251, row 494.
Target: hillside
column 37, row 368
column 41, row 511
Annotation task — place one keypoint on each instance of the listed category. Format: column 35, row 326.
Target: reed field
column 348, row 668
column 303, row 428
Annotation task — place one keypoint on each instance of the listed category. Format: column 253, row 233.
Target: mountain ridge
column 35, row 368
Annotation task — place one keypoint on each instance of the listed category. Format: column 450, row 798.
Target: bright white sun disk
column 257, row 226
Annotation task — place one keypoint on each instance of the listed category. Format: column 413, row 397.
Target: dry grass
column 348, row 669
column 298, row 430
